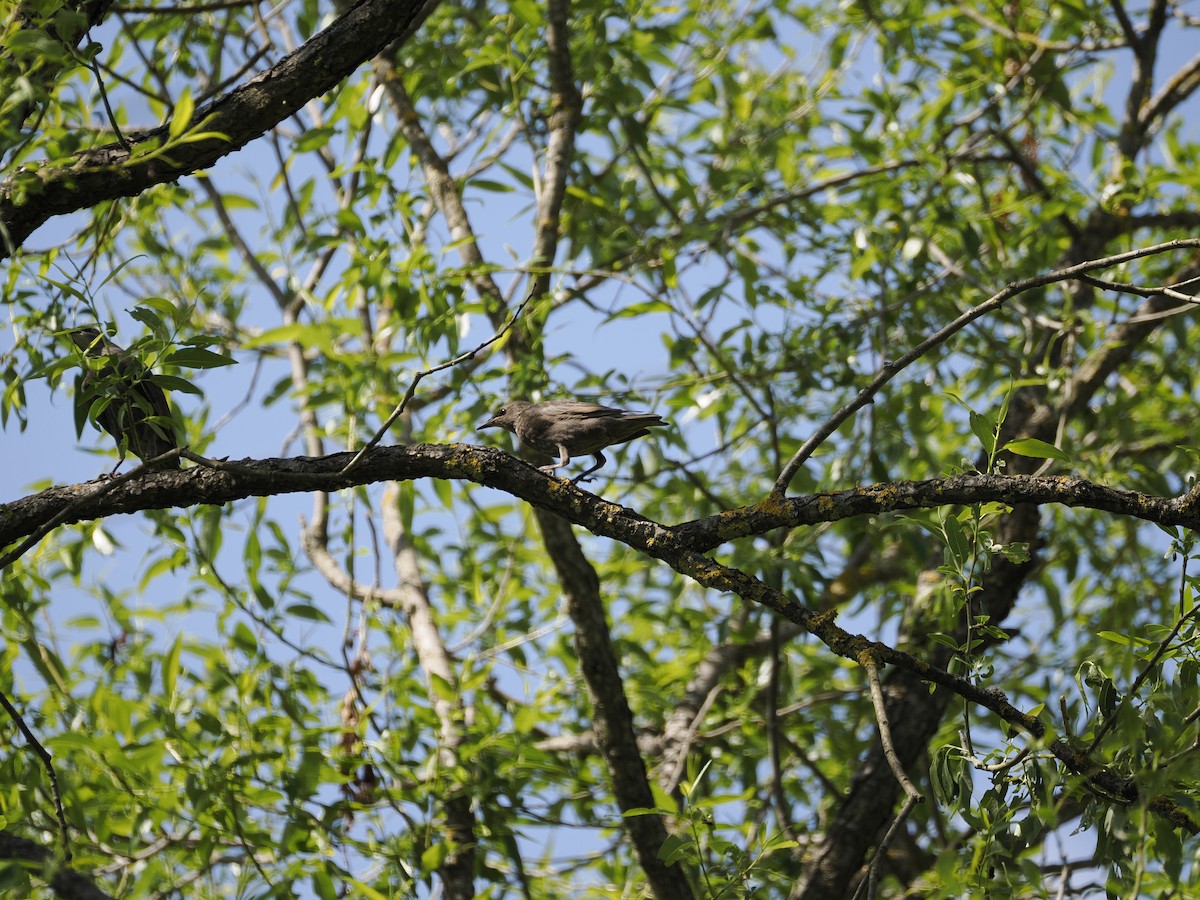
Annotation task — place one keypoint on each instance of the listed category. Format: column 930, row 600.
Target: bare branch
column 885, row 734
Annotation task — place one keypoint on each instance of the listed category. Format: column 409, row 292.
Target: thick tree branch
column 266, row 477
column 674, row 545
column 37, row 193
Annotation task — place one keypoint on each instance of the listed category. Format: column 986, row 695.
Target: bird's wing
column 579, row 409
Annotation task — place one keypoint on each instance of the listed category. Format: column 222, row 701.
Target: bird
column 132, row 408
column 571, row 428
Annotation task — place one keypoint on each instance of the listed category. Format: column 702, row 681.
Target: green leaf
column 170, row 667
column 362, row 889
column 176, row 383
column 323, row 885
column 313, row 139
column 984, row 428
column 181, row 115
column 1126, row 640
column 675, row 848
column 1036, row 449
column 307, row 611
column 443, row 688
column 198, row 358
column 495, row 187
column 244, row 639
column 433, row 856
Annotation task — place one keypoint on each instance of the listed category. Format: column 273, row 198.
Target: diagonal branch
column 885, row 732
column 37, row 193
column 1178, row 88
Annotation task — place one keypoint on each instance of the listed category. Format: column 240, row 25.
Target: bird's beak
column 490, row 423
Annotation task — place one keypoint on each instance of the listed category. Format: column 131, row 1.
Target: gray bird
column 570, row 428
column 133, row 408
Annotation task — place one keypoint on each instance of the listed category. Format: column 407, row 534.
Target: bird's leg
column 563, row 459
column 600, row 460
column 120, row 460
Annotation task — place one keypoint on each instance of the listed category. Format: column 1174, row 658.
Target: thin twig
column 1165, row 290
column 1002, row 766
column 872, row 879
column 112, row 119
column 885, row 734
column 412, row 388
column 913, row 796
column 44, row 755
column 1163, row 646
